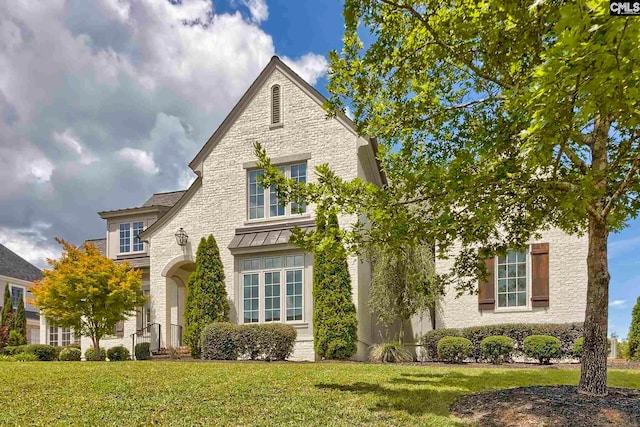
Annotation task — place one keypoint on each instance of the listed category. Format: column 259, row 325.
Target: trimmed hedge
column 90, row 355
column 43, row 352
column 118, row 354
column 454, row 349
column 225, row 341
column 577, row 347
column 70, row 354
column 542, row 347
column 142, row 351
column 567, row 333
column 497, row 349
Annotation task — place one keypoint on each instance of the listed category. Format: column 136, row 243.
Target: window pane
column 274, row 262
column 138, row 245
column 125, row 237
column 511, row 300
column 511, row 256
column 250, row 296
column 272, row 296
column 502, row 286
column 53, row 335
column 17, row 294
column 502, row 271
column 502, row 300
column 522, row 299
column 511, row 285
column 294, row 295
column 295, row 261
column 299, row 174
column 256, row 195
column 251, row 264
column 522, row 269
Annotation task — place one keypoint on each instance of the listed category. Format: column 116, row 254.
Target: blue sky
column 130, row 94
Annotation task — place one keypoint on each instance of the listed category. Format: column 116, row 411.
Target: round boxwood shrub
column 143, row 351
column 497, row 349
column 118, row 354
column 577, row 347
column 70, row 354
column 454, row 349
column 220, row 341
column 90, row 355
column 542, row 347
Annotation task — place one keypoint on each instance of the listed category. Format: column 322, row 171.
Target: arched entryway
column 176, row 275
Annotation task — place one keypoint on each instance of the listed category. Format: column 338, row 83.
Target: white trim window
column 17, row 293
column 60, row 336
column 129, row 240
column 258, row 198
column 512, row 279
column 272, row 289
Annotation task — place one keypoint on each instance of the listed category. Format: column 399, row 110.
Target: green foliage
column 389, row 352
column 335, row 325
column 10, row 350
column 88, row 292
column 143, row 351
column 542, row 347
column 70, row 354
column 579, row 343
column 118, row 354
column 225, row 341
column 90, row 355
column 43, row 352
column 7, row 307
column 634, row 332
column 25, row 357
column 20, row 322
column 16, row 338
column 206, row 294
column 567, row 334
column 454, row 349
column 6, row 358
column 623, row 350
column 497, row 349
column 403, row 284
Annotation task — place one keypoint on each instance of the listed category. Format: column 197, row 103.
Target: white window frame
column 267, row 195
column 59, row 334
column 260, row 271
column 132, row 238
column 527, row 306
column 24, row 293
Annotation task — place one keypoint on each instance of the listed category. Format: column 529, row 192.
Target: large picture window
column 512, row 279
column 272, row 289
column 129, row 240
column 263, row 203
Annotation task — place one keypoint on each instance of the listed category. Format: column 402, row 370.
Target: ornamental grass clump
column 389, row 352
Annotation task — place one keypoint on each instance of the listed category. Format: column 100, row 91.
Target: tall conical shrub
column 20, row 320
column 7, row 307
column 206, row 294
column 634, row 332
column 335, row 325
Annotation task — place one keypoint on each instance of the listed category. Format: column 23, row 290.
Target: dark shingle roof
column 13, row 265
column 164, row 199
column 101, row 244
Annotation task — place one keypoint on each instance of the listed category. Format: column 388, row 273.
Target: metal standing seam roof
column 276, row 234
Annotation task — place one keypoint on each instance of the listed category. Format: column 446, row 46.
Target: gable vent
column 276, row 116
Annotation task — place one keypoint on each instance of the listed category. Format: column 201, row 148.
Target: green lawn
column 255, row 394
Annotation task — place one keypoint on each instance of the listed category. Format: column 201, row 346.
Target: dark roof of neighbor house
column 13, row 265
column 100, row 244
column 164, row 199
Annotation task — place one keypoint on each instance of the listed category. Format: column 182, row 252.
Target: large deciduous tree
column 207, row 300
column 496, row 120
column 88, row 292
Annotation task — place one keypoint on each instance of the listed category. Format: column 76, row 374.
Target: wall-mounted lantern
column 181, row 237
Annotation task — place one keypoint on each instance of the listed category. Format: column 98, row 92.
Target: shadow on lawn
column 422, row 393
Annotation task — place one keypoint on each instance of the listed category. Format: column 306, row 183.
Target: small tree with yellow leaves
column 87, row 291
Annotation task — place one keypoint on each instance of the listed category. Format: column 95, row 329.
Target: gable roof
column 248, row 96
column 164, row 199
column 100, row 244
column 13, row 265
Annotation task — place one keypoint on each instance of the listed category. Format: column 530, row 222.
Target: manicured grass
column 252, row 394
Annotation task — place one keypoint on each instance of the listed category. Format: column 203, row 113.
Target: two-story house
column 18, row 275
column 270, row 280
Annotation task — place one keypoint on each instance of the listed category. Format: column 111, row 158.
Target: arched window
column 276, row 105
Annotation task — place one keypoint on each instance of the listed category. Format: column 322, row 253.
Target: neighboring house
column 267, row 278
column 19, row 275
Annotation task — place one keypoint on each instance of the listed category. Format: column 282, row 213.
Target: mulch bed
column 550, row 406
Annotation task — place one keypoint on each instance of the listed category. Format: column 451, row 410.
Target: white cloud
column 258, row 9
column 310, row 66
column 620, row 248
column 69, row 139
column 141, row 159
column 618, row 303
column 31, row 244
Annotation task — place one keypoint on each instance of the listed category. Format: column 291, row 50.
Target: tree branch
column 623, row 186
column 446, row 46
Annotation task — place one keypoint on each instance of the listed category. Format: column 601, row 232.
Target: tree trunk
column 593, row 376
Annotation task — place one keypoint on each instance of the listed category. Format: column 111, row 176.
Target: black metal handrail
column 176, row 335
column 151, row 334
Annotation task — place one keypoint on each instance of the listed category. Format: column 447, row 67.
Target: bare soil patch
column 550, row 406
